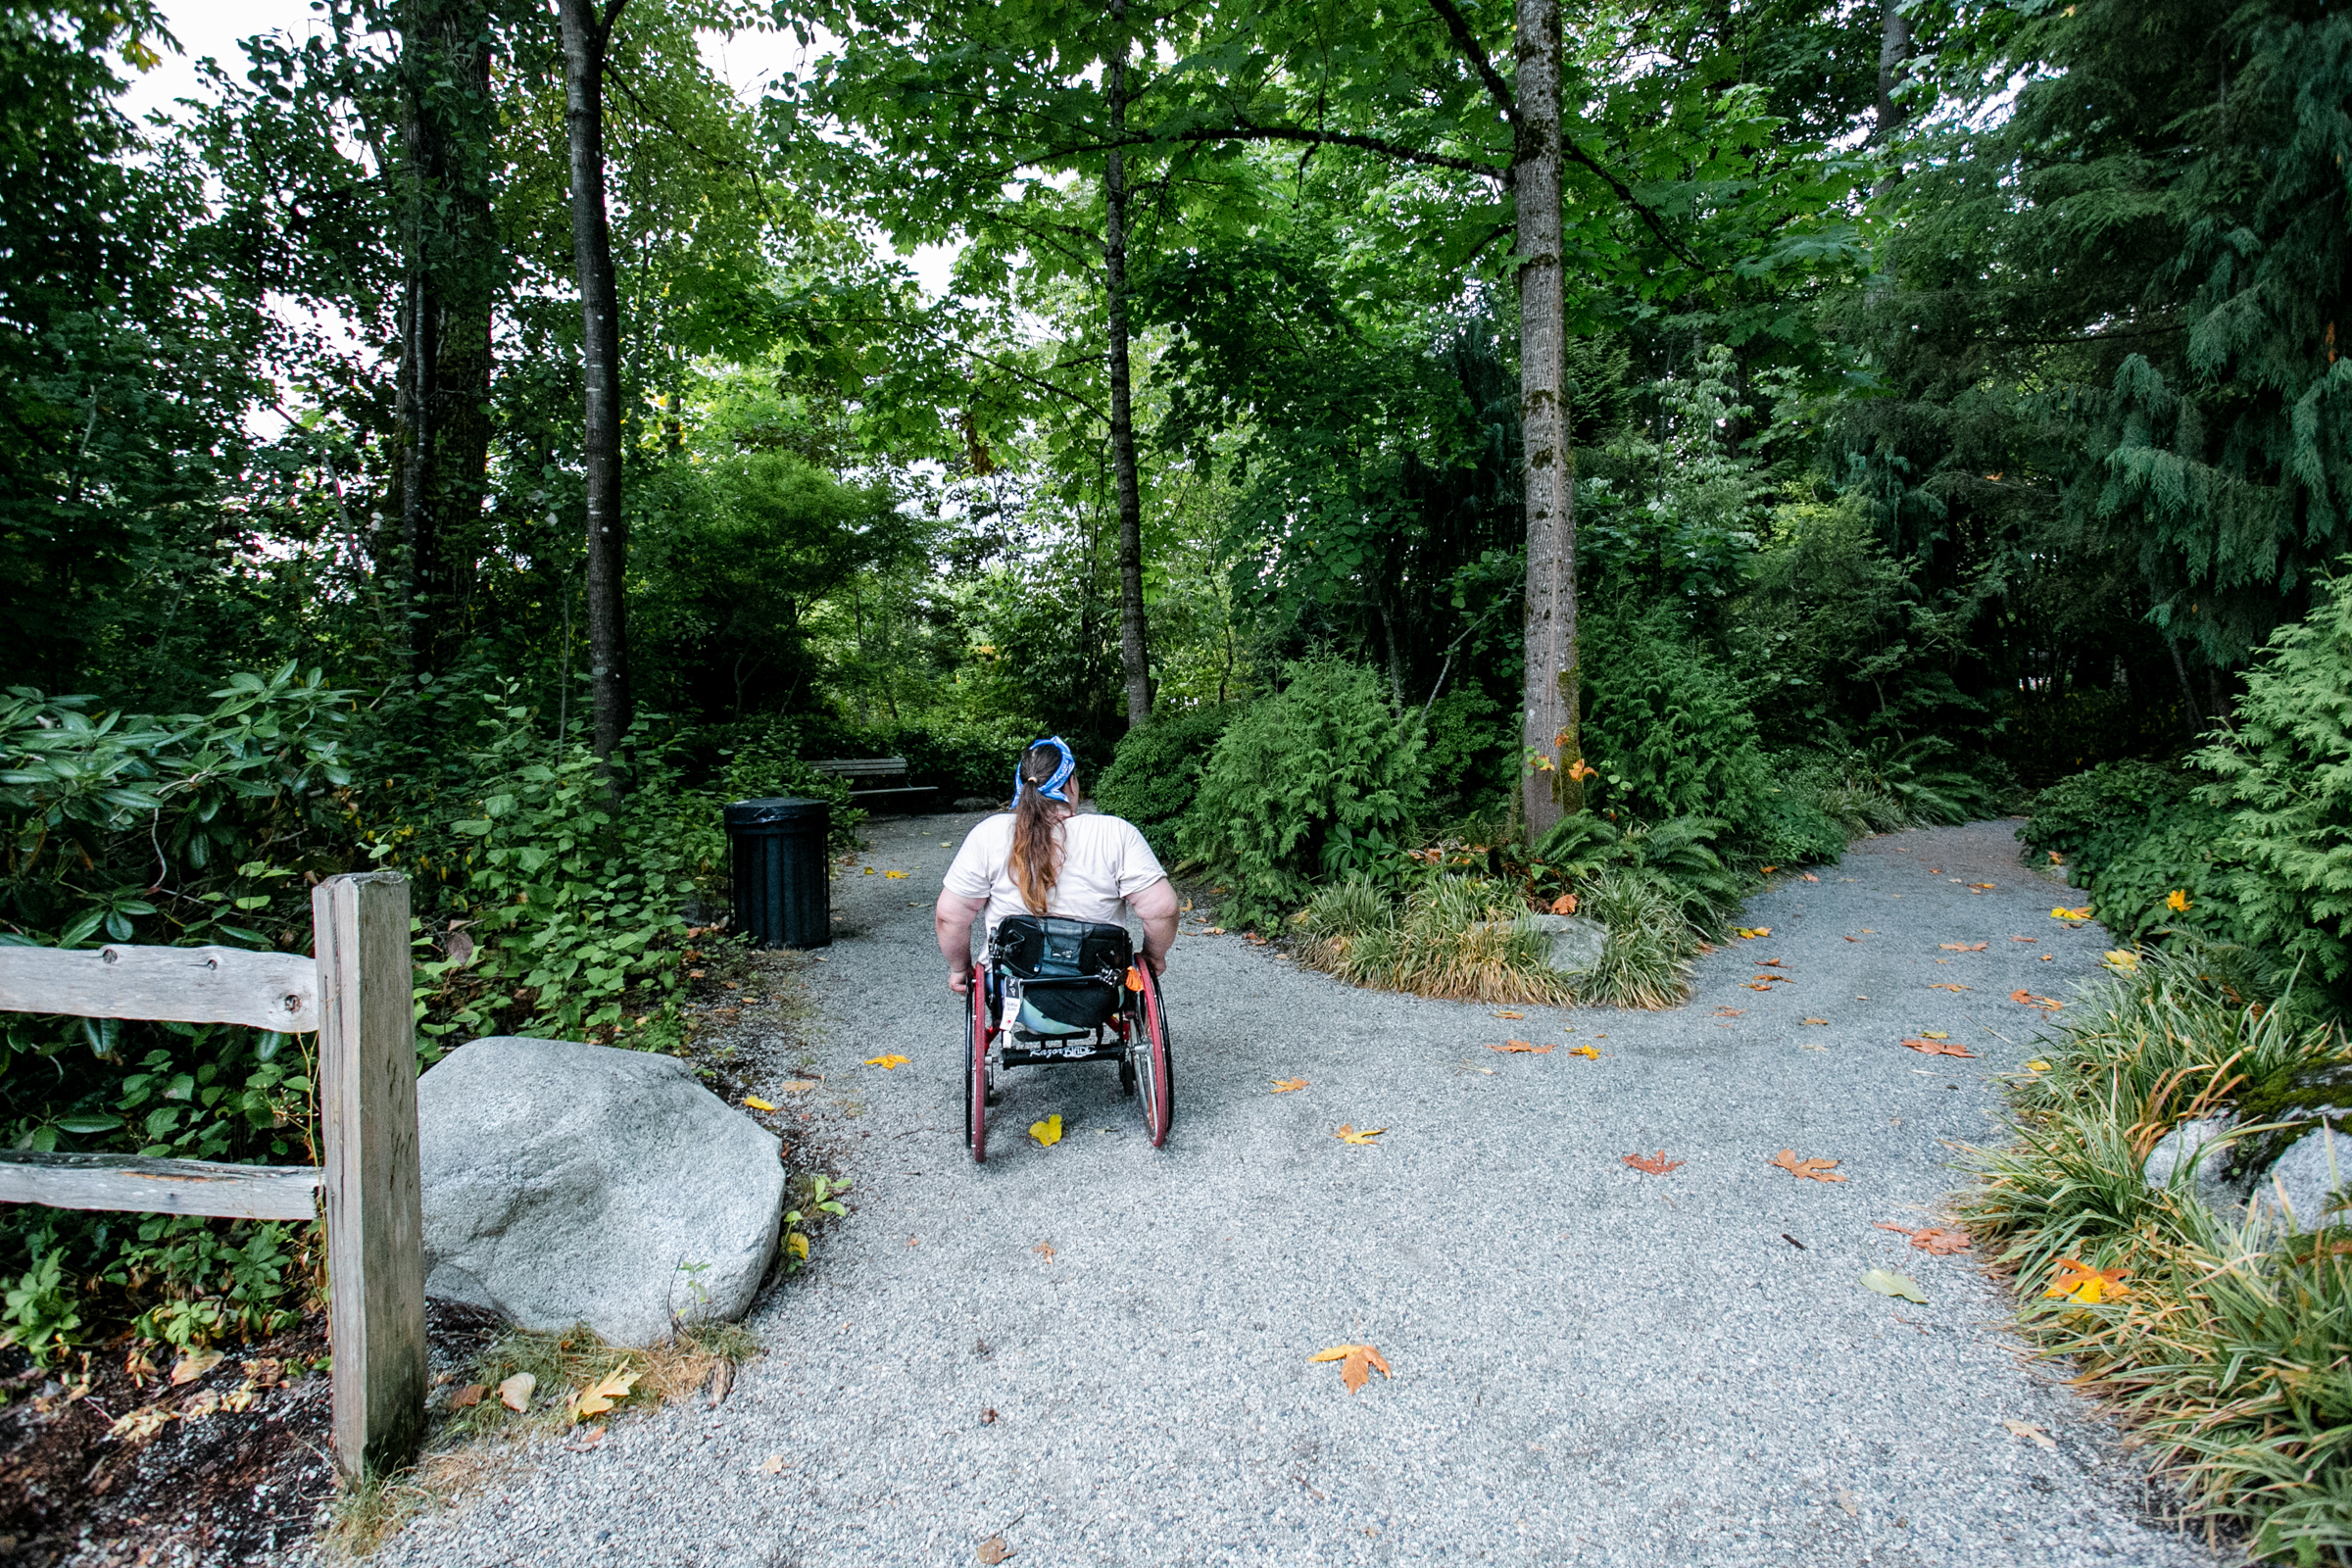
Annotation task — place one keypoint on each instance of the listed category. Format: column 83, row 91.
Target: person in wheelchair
column 1048, row 858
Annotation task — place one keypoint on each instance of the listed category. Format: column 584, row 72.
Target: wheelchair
column 1053, row 991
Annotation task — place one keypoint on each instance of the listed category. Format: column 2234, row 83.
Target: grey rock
column 2300, row 1189
column 566, row 1183
column 2173, row 1150
column 1576, row 942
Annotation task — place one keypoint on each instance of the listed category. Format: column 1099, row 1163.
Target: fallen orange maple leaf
column 1565, row 903
column 1656, row 1164
column 1355, row 1363
column 1814, row 1170
column 1283, row 1086
column 1349, row 1134
column 1513, row 1047
column 1961, row 947
column 2082, row 1283
column 1940, row 1241
column 1730, row 1012
column 2029, row 999
column 1939, row 1047
column 1947, row 985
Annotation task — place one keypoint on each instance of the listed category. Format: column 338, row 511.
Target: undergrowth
column 2230, row 1348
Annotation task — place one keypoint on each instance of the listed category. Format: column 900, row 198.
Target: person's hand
column 1158, row 962
column 960, row 981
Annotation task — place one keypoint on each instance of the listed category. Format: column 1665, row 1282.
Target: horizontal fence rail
column 159, row 1186
column 178, row 985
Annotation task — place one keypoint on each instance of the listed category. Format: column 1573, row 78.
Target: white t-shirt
column 1105, row 862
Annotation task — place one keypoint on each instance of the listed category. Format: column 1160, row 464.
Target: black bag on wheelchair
column 1071, row 973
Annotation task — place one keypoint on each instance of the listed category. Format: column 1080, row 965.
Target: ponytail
column 1045, row 790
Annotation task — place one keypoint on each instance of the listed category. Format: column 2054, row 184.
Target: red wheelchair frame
column 1136, row 1036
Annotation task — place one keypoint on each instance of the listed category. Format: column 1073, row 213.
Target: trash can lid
column 778, row 811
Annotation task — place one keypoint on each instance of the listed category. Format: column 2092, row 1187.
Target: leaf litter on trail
column 1939, row 1047
column 1936, row 1240
column 1589, row 1052
column 755, row 1103
column 1516, row 1047
column 1813, row 1171
column 603, row 1394
column 1962, row 946
column 1747, row 933
column 1349, row 1134
column 1656, row 1164
column 1510, row 1015
column 1048, row 1133
column 1356, row 1363
column 2028, row 998
column 992, row 1550
column 1888, row 1283
column 2030, row 1433
column 1289, row 1086
column 894, row 1059
column 1947, row 985
column 515, row 1392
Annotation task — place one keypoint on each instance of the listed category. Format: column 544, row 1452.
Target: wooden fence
column 356, row 994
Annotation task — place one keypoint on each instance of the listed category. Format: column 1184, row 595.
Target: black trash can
column 776, row 850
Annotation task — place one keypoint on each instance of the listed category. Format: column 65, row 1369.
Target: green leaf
column 1890, row 1284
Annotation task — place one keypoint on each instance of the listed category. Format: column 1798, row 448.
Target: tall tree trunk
column 1552, row 787
column 585, row 35
column 1894, row 58
column 1134, row 657
column 454, row 266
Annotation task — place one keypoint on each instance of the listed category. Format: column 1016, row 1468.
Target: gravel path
column 1592, row 1365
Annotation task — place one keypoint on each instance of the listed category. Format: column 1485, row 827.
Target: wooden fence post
column 374, row 1208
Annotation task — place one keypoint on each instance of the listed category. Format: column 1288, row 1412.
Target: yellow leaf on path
column 1285, row 1085
column 1510, row 1015
column 1586, row 1052
column 1355, row 1363
column 1750, row 933
column 2027, row 1429
column 896, row 876
column 2083, row 913
column 1349, row 1134
column 515, row 1392
column 755, row 1103
column 797, row 1244
column 603, row 1394
column 1934, row 1034
column 1048, row 1133
column 886, row 1063
column 1514, row 1046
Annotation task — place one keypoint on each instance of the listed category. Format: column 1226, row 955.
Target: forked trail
column 1103, row 1355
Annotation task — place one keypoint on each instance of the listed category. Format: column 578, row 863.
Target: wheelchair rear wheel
column 1154, row 1073
column 975, row 1077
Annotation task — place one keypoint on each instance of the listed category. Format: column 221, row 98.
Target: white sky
column 213, row 27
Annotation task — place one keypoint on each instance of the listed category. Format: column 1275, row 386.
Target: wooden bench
column 356, row 994
column 871, row 771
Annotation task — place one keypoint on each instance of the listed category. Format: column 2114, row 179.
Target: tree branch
column 1467, row 42
column 1244, row 130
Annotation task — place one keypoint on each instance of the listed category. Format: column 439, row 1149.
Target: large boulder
column 2175, row 1148
column 578, row 1184
column 1576, row 942
column 2300, row 1192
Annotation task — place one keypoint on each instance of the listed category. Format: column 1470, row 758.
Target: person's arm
column 1155, row 906
column 951, row 917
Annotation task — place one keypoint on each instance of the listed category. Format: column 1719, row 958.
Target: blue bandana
column 1056, row 788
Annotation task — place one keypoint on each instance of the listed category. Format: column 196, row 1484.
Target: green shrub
column 1317, row 780
column 764, row 758
column 1157, row 770
column 2286, row 770
column 2090, row 819
column 1473, row 749
column 1668, row 727
column 1683, row 854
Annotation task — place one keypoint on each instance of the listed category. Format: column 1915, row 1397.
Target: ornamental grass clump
column 2227, row 1344
column 1455, row 937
